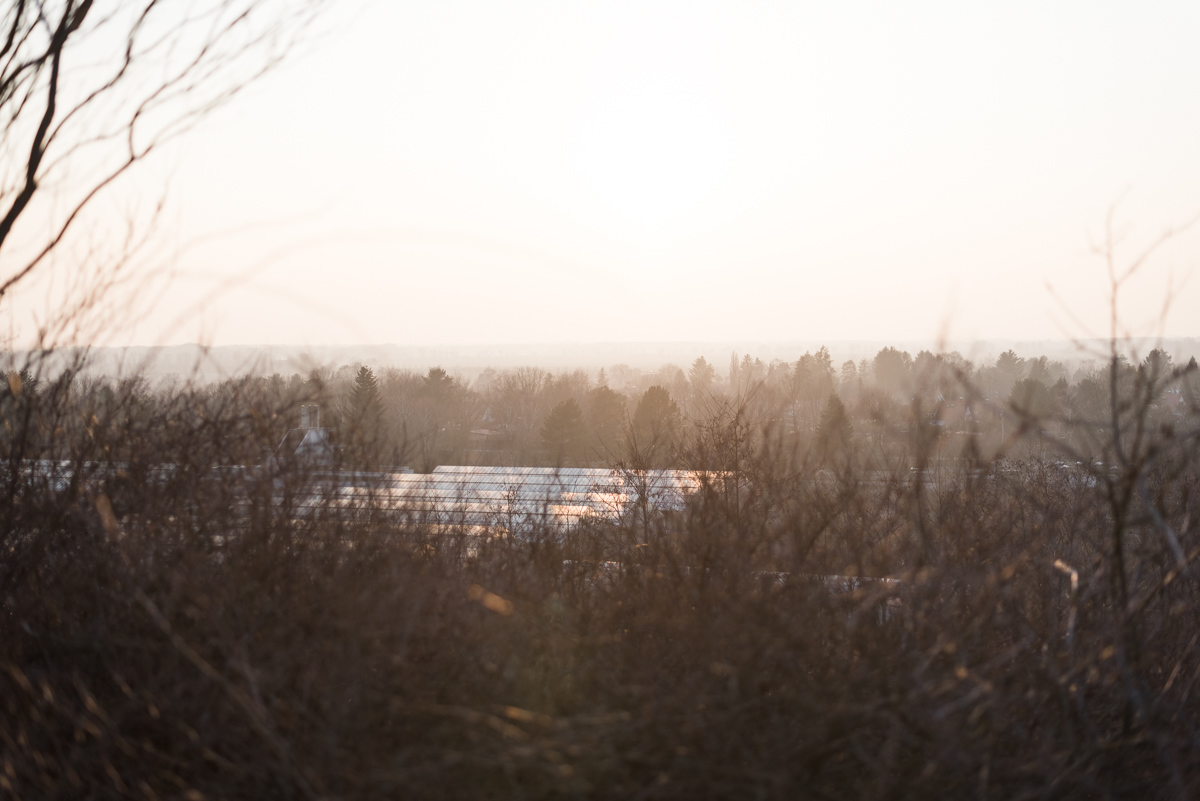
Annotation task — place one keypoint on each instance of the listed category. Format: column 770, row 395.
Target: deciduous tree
column 89, row 89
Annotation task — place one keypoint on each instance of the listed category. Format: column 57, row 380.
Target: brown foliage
column 177, row 625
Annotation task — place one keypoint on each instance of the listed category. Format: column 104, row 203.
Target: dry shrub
column 175, row 625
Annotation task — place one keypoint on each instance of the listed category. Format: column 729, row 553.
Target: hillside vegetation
column 187, row 613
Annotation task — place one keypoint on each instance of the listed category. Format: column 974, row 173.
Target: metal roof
column 513, row 496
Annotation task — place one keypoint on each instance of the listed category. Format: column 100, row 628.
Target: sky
column 526, row 172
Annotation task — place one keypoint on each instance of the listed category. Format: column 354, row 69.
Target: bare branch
column 178, row 61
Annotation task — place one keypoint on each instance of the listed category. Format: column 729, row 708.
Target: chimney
column 310, row 416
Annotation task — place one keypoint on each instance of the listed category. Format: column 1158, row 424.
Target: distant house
column 309, row 443
column 1173, row 401
column 953, row 413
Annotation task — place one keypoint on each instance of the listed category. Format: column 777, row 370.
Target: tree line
column 620, row 416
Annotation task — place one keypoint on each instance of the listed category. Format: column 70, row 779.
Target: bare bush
column 182, row 616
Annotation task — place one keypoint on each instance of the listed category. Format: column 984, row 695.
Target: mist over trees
column 966, row 546
column 906, row 576
column 388, row 417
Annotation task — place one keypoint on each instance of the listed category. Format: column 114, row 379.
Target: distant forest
column 621, row 415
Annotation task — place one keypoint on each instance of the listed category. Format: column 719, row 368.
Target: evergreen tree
column 835, row 431
column 564, row 433
column 365, row 418
column 1157, row 371
column 893, row 372
column 702, row 376
column 654, row 434
column 1009, row 369
column 365, row 401
column 607, row 412
column 812, row 380
column 438, row 383
column 1031, row 397
column 1191, row 383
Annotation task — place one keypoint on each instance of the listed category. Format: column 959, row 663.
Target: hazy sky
column 459, row 172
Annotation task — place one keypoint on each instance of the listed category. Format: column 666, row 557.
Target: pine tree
column 564, row 433
column 607, row 415
column 366, row 417
column 702, row 376
column 835, row 431
column 365, row 401
column 655, row 429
